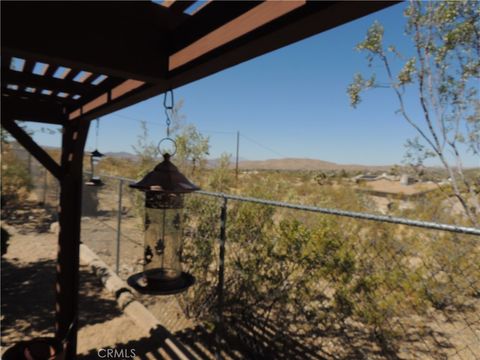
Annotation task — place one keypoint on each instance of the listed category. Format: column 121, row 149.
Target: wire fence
column 280, row 280
column 284, row 281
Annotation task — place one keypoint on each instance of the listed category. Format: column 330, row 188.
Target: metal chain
column 168, row 106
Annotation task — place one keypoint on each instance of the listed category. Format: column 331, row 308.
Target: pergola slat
column 37, row 97
column 178, row 6
column 28, row 67
column 6, row 61
column 52, row 68
column 45, row 82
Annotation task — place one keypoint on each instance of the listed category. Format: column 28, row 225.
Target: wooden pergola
column 77, row 61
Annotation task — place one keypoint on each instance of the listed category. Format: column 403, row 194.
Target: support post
column 221, row 278
column 119, row 223
column 68, row 257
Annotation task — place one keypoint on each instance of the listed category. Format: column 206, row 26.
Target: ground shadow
column 159, row 345
column 28, row 300
column 29, row 216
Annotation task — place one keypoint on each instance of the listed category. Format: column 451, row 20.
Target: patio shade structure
column 67, row 63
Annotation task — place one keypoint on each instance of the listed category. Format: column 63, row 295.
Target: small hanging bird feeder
column 95, row 180
column 165, row 187
column 95, row 157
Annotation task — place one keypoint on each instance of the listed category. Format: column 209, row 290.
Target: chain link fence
column 281, row 281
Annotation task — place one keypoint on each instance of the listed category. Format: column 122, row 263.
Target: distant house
column 406, row 179
column 368, row 177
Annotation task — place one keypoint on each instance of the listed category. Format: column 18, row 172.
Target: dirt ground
column 28, row 298
column 28, row 278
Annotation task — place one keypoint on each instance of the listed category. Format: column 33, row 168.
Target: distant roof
column 71, row 60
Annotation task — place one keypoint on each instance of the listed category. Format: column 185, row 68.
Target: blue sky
column 288, row 103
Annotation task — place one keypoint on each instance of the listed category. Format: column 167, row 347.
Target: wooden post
column 68, row 258
column 69, row 174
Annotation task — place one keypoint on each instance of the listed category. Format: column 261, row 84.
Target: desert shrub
column 16, row 179
column 221, row 178
column 201, row 226
column 306, row 273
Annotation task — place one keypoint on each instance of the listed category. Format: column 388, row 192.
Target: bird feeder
column 95, row 157
column 165, row 188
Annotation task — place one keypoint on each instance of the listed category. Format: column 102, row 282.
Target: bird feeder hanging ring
column 173, row 144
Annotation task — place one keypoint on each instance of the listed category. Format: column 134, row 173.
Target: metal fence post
column 119, row 222
column 221, row 277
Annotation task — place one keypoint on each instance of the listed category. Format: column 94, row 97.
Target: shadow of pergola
column 28, row 300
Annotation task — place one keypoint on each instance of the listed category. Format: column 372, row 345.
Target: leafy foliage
column 444, row 73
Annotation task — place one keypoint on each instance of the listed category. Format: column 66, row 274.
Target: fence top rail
column 337, row 212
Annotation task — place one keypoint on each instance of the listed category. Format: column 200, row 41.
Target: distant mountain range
column 276, row 164
column 303, row 164
column 288, row 164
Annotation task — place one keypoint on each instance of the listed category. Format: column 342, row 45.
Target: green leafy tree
column 443, row 72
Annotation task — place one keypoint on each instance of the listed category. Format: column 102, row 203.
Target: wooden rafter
column 27, row 109
column 254, row 18
column 208, row 19
column 178, row 6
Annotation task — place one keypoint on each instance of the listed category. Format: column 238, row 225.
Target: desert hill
column 303, row 164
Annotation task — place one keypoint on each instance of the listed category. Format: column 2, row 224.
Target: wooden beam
column 207, row 19
column 124, row 93
column 104, row 87
column 39, row 97
column 14, row 107
column 44, row 82
column 37, row 152
column 312, row 18
column 68, row 256
column 259, row 16
column 178, row 6
column 126, row 39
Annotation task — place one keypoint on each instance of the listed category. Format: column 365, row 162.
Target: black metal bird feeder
column 164, row 189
